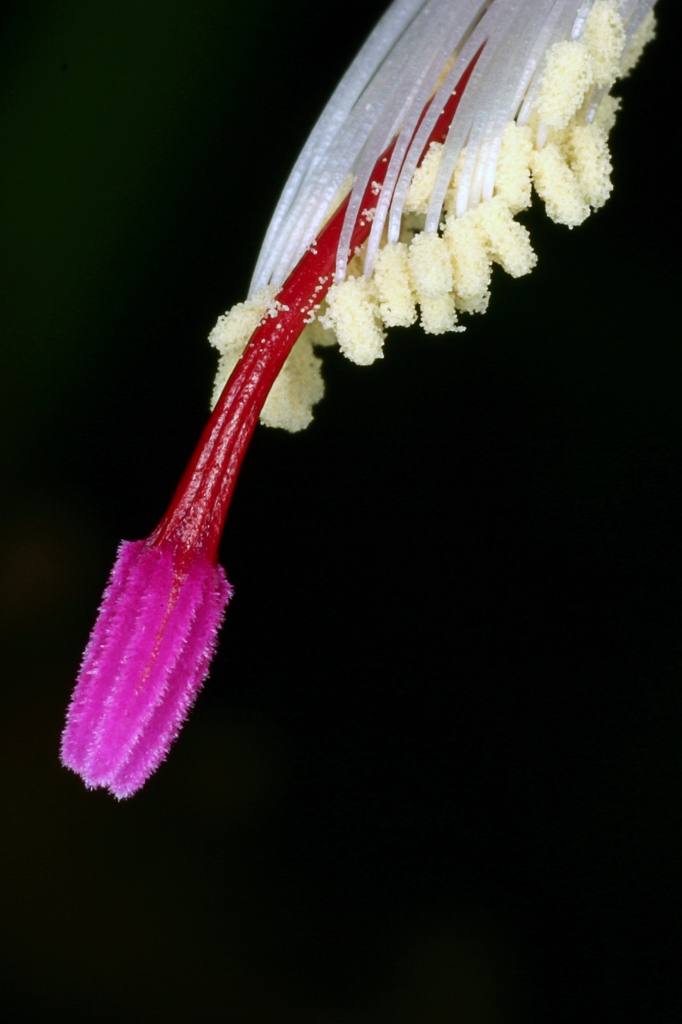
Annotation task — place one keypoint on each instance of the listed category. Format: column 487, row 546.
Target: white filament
column 415, row 57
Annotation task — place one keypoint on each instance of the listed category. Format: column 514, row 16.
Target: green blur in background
column 435, row 773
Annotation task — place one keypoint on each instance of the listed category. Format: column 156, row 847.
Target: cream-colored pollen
column 423, row 180
column 297, row 389
column 512, row 178
column 431, row 276
column 604, row 37
column 471, row 264
column 590, row 161
column 558, row 187
column 353, row 315
column 566, row 79
column 394, row 290
column 232, row 332
column 438, row 314
column 430, row 268
column 572, row 67
column 507, row 241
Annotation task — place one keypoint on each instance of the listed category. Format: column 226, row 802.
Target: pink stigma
column 147, row 658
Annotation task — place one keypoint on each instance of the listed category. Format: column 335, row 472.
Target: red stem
column 194, row 520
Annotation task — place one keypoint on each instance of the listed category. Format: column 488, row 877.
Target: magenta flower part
column 147, row 659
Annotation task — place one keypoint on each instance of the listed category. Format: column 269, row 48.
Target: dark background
column 435, row 773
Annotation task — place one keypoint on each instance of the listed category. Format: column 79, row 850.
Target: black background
column 435, row 773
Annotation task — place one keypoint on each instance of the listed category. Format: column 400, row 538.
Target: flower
column 403, row 199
